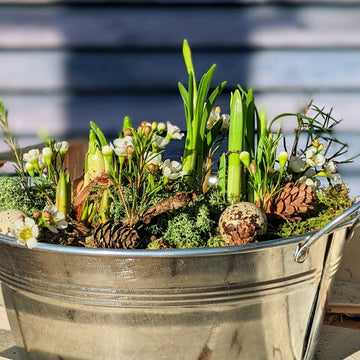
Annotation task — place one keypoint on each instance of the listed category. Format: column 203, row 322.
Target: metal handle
column 302, row 249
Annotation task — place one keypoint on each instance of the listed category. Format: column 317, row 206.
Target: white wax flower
column 47, row 152
column 107, row 150
column 26, row 232
column 173, row 132
column 159, row 142
column 62, row 146
column 172, row 169
column 330, row 167
column 120, row 145
column 314, row 183
column 42, row 162
column 213, row 118
column 225, row 122
column 152, row 158
column 313, row 158
column 54, row 219
column 32, row 156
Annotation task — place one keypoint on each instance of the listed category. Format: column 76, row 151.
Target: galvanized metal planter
column 248, row 302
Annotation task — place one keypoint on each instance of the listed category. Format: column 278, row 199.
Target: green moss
column 190, row 226
column 328, row 204
column 14, row 196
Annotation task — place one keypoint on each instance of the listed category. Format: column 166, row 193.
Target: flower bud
column 47, row 215
column 47, row 154
column 245, row 158
column 36, row 215
column 161, row 127
column 127, row 124
column 315, row 143
column 154, row 125
column 129, row 151
column 30, row 169
column 127, row 132
column 253, row 168
column 283, row 158
column 151, row 168
column 147, row 130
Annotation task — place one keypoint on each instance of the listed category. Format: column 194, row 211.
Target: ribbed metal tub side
column 249, row 302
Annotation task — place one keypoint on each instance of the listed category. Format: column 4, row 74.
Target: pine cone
column 243, row 234
column 291, row 202
column 116, row 236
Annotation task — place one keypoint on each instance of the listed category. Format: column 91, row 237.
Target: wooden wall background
column 64, row 63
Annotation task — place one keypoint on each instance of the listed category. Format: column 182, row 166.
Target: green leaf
column 100, row 135
column 203, row 90
column 188, row 57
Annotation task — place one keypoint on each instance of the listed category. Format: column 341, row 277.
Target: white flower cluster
column 124, row 147
column 26, row 230
column 215, row 116
column 309, row 166
column 34, row 160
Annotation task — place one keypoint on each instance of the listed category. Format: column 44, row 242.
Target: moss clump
column 14, row 196
column 328, row 204
column 189, row 227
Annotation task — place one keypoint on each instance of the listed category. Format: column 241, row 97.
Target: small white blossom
column 173, row 132
column 296, row 164
column 314, row 183
column 172, row 169
column 159, row 142
column 26, row 232
column 30, row 169
column 107, row 150
column 62, row 146
column 330, row 170
column 54, row 219
column 214, row 117
column 120, row 145
column 47, row 152
column 32, row 156
column 313, row 158
column 330, row 167
column 42, row 162
column 225, row 123
column 152, row 158
column 335, row 177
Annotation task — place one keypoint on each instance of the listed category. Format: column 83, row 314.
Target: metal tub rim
column 172, row 253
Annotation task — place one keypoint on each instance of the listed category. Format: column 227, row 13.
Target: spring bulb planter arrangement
column 165, row 259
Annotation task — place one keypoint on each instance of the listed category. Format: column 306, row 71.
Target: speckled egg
column 7, row 219
column 239, row 213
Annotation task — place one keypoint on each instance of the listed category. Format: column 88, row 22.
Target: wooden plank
column 310, row 70
column 338, row 344
column 224, row 27
column 61, row 114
